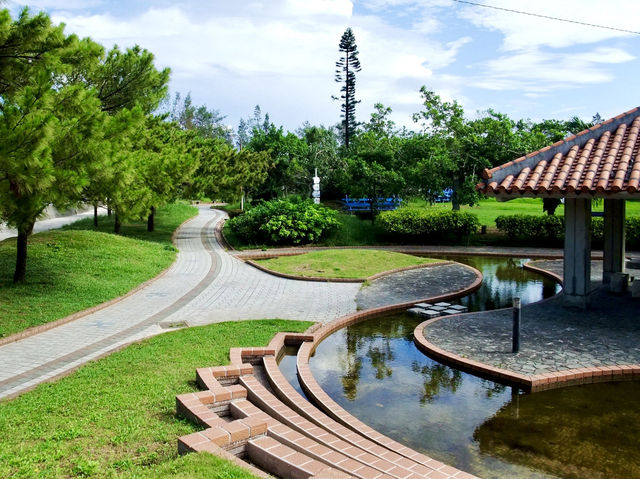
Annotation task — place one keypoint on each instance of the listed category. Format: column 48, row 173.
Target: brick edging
column 544, row 272
column 80, row 314
column 320, row 279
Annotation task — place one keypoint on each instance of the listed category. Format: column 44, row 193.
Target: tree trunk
column 455, row 200
column 95, row 216
column 21, row 256
column 116, row 224
column 151, row 220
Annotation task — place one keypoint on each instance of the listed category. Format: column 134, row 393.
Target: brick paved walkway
column 204, row 285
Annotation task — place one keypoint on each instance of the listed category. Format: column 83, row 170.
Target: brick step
column 359, row 435
column 313, row 448
column 378, row 458
column 231, row 436
column 287, row 463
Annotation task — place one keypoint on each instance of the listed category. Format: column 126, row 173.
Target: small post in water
column 517, row 311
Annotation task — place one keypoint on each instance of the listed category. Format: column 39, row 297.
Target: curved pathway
column 203, row 286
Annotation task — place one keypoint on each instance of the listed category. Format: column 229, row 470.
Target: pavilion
column 601, row 162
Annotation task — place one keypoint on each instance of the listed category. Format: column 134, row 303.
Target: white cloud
column 284, row 60
column 526, row 31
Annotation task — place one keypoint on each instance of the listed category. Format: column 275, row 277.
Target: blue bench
column 445, row 196
column 363, row 204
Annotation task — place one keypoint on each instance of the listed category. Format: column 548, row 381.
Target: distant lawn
column 489, row 209
column 116, row 417
column 342, row 263
column 76, row 268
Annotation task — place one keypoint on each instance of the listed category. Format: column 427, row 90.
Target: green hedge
column 551, row 229
column 282, row 222
column 426, row 224
column 546, row 228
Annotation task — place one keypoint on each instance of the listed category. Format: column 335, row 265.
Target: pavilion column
column 614, row 238
column 577, row 252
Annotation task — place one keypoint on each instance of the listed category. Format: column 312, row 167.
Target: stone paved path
column 415, row 284
column 203, row 286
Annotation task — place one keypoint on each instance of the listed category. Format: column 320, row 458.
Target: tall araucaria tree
column 346, row 68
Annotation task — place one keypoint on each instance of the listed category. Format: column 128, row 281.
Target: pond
column 374, row 371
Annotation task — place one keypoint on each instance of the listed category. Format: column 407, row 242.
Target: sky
column 234, row 54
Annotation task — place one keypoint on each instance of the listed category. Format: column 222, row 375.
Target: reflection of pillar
column 577, row 252
column 614, row 238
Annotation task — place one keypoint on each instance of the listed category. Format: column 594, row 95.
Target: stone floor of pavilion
column 553, row 337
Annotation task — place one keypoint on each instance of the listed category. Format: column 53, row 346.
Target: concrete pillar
column 614, row 238
column 577, row 252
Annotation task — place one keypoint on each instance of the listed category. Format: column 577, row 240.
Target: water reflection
column 504, row 278
column 373, row 370
column 576, row 432
column 436, row 378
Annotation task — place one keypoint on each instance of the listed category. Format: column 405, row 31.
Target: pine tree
column 346, row 68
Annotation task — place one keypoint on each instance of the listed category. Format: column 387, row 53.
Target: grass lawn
column 116, row 416
column 342, row 263
column 76, row 268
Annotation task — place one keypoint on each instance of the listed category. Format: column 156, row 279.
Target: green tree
column 50, row 123
column 207, row 122
column 46, row 133
column 129, row 79
column 288, row 153
column 346, row 68
column 129, row 87
column 450, row 153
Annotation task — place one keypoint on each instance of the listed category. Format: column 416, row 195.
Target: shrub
column 284, row 222
column 546, row 228
column 551, row 229
column 428, row 224
column 632, row 231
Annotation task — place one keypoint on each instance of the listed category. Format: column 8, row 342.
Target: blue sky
column 234, row 54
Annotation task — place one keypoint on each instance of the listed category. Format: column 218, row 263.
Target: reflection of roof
column 601, row 161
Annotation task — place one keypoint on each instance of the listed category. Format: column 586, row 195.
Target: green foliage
column 545, row 228
column 632, row 231
column 129, row 79
column 284, row 222
column 429, row 225
column 116, row 417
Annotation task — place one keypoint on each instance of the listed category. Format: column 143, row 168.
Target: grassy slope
column 116, row 416
column 342, row 263
column 73, row 269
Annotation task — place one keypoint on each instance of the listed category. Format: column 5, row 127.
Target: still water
column 374, row 371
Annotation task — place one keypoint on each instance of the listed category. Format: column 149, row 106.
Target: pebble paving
column 415, row 285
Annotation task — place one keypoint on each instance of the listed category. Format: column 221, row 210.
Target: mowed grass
column 342, row 263
column 76, row 268
column 116, row 417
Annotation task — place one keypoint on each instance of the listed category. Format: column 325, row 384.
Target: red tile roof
column 600, row 162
